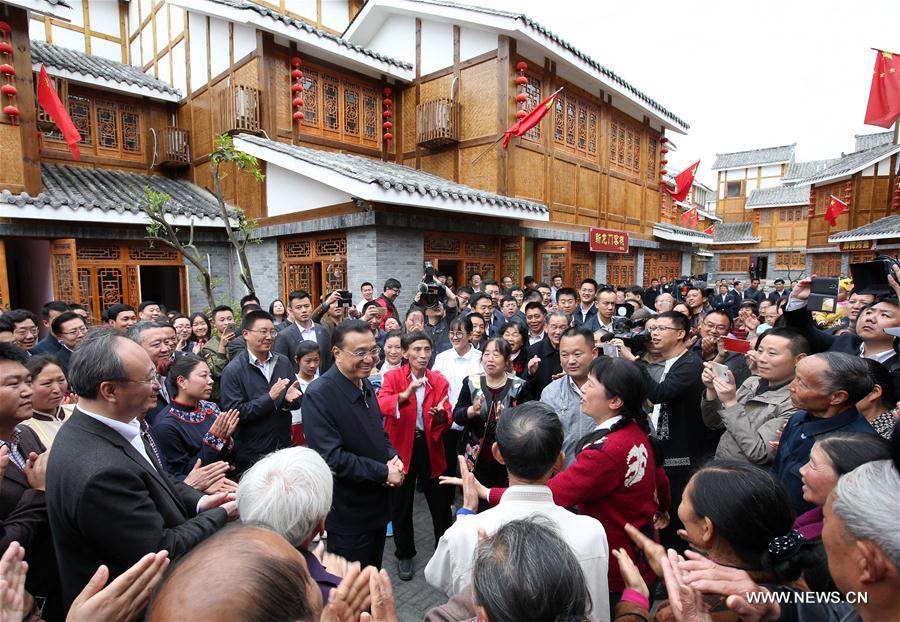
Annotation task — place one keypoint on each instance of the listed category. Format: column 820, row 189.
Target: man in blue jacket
column 826, row 388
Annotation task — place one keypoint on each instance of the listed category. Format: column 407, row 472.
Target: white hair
column 866, row 501
column 288, row 491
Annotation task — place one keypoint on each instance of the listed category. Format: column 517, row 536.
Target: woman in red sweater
column 617, row 476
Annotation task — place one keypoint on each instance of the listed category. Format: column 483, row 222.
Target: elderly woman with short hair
column 290, row 491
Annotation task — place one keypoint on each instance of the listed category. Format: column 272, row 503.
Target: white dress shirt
column 308, row 334
column 267, row 367
column 534, row 339
column 456, row 369
column 450, row 568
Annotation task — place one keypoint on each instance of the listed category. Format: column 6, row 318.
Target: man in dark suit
column 779, row 293
column 724, row 300
column 754, row 292
column 869, row 341
column 151, row 336
column 262, row 386
column 67, row 330
column 109, row 498
column 343, row 422
column 303, row 328
column 543, row 357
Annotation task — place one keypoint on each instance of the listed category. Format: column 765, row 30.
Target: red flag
column 683, row 182
column 710, row 230
column 836, row 207
column 884, row 96
column 690, row 218
column 695, row 218
column 49, row 101
column 531, row 119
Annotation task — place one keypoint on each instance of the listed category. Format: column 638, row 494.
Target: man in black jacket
column 754, row 292
column 109, row 498
column 261, row 385
column 66, row 331
column 303, row 328
column 543, row 357
column 342, row 421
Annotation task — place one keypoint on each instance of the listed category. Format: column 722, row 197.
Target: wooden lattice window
column 310, row 98
column 331, row 246
column 576, row 122
column 570, row 123
column 592, row 133
column 340, row 107
column 370, row 114
column 296, row 249
column 652, row 146
column 559, row 123
column 131, row 129
column 790, row 261
column 533, row 92
column 734, row 263
column 827, row 264
column 80, row 113
column 351, row 108
column 98, row 252
column 765, row 217
column 625, row 146
column 330, row 102
column 438, row 245
column 107, row 127
column 791, row 214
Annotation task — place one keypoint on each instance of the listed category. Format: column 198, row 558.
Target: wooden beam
column 505, row 52
column 24, row 82
column 418, row 82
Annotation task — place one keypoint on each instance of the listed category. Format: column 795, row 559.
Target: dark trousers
column 678, row 480
column 402, row 499
column 365, row 547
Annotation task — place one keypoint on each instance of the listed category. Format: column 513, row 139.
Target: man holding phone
column 717, row 344
column 303, row 328
column 215, row 351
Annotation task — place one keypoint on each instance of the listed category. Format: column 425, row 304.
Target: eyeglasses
column 149, row 381
column 361, row 354
column 659, row 329
column 75, row 331
column 264, row 332
column 718, row 327
column 456, row 335
column 21, row 332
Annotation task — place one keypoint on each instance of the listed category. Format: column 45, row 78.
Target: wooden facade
column 315, row 264
column 573, row 260
column 868, row 199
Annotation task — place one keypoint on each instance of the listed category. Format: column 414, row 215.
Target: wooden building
column 374, row 124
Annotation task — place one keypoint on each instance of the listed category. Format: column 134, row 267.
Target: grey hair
column 135, row 332
column 554, row 314
column 526, row 571
column 289, row 491
column 95, row 361
column 846, row 373
column 866, row 500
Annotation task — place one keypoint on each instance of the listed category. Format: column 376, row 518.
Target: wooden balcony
column 174, row 147
column 239, row 110
column 437, row 123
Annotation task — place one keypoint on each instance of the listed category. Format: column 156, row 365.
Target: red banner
column 608, row 241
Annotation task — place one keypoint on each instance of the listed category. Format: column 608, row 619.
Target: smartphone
column 823, row 295
column 610, row 350
column 229, row 330
column 346, row 298
column 720, row 371
column 736, row 345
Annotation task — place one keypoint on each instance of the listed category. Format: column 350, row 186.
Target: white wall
column 176, row 21
column 179, row 68
column 163, row 69
column 396, row 38
column 306, row 8
column 287, row 192
column 199, row 68
column 335, row 14
column 870, row 171
column 474, row 42
column 104, row 17
column 37, row 30
column 736, row 174
column 106, row 49
column 218, row 46
column 771, row 170
column 770, row 182
column 66, row 38
column 134, row 21
column 244, row 41
column 437, row 46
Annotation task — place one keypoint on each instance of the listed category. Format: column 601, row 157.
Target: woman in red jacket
column 617, row 476
column 413, row 401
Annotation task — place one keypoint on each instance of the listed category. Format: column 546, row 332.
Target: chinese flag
column 683, row 182
column 884, row 96
column 49, row 101
column 836, row 207
column 709, row 230
column 690, row 218
column 531, row 119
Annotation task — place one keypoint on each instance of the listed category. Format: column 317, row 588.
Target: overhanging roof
column 883, row 228
column 754, row 157
column 326, row 45
column 778, row 196
column 364, row 26
column 852, row 163
column 735, row 233
column 674, row 233
column 368, row 179
column 56, row 8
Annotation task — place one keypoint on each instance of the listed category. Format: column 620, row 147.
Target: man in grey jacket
column 563, row 395
column 753, row 414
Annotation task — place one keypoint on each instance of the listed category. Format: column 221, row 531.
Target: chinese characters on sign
column 608, row 241
column 857, row 245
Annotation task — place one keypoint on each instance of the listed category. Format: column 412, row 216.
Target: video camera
column 632, row 333
column 871, row 277
column 682, row 284
column 431, row 290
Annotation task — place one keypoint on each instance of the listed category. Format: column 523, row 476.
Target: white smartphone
column 720, row 371
column 610, row 350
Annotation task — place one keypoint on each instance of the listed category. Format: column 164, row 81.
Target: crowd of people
column 689, row 451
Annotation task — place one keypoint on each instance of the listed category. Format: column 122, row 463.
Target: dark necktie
column 149, row 442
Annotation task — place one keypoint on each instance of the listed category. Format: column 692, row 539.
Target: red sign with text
column 608, row 241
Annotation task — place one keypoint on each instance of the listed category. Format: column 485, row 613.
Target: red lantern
column 520, row 114
column 521, row 98
column 5, row 48
column 298, row 102
column 663, row 161
column 297, row 74
column 387, row 91
column 664, row 151
column 4, row 27
column 387, row 125
column 521, row 80
column 298, row 116
column 387, row 114
column 663, row 171
column 663, row 140
column 10, row 91
column 296, row 62
column 7, row 69
column 521, row 65
column 11, row 111
column 297, row 87
column 388, row 136
column 388, row 101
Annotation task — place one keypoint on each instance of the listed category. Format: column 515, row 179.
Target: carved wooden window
column 370, row 111
column 310, row 98
column 625, row 146
column 340, row 107
column 791, row 214
column 827, row 264
column 582, row 127
column 351, row 108
column 330, row 102
column 652, row 147
column 592, row 133
column 80, row 112
column 570, row 123
column 131, row 129
column 533, row 92
column 791, row 261
column 765, row 217
column 107, row 130
column 734, row 263
column 559, row 121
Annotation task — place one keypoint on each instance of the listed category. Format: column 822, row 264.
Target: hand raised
column 630, row 573
column 36, row 470
column 123, row 599
column 533, row 365
column 279, row 386
column 202, row 477
column 293, row 393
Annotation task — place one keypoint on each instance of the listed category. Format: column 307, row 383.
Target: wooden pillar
column 506, row 52
column 5, row 302
column 31, row 165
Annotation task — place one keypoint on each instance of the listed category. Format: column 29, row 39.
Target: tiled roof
column 778, row 196
column 66, row 59
column 527, row 21
column 754, row 157
column 867, row 141
column 389, row 175
column 853, row 162
column 107, row 190
column 801, row 170
column 887, row 227
column 698, row 237
column 296, row 23
column 735, row 233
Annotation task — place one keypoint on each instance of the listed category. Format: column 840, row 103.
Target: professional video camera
column 682, row 284
column 431, row 290
column 632, row 333
column 872, row 277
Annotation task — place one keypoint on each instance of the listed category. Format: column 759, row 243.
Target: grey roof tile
column 800, row 170
column 735, row 232
column 853, row 162
column 527, row 21
column 389, row 175
column 113, row 191
column 96, row 66
column 778, row 196
column 867, row 141
column 693, row 233
column 754, row 157
column 296, row 23
column 887, row 227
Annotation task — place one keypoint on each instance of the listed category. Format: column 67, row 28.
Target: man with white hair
column 289, row 491
column 664, row 302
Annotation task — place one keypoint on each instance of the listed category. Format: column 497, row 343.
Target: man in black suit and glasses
column 109, row 499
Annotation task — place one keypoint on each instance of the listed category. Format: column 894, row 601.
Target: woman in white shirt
column 307, row 357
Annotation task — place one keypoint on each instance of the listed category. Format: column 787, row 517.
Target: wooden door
column 512, row 258
column 5, row 302
column 63, row 266
column 552, row 258
column 621, row 269
column 661, row 264
column 581, row 262
column 827, row 264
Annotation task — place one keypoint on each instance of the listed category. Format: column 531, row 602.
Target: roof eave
column 851, row 172
column 43, row 8
column 835, row 239
column 356, row 60
column 770, row 205
column 745, row 241
column 674, row 236
column 90, row 214
column 109, row 85
column 732, row 168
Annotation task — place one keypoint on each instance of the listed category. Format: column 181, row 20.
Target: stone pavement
column 414, row 598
